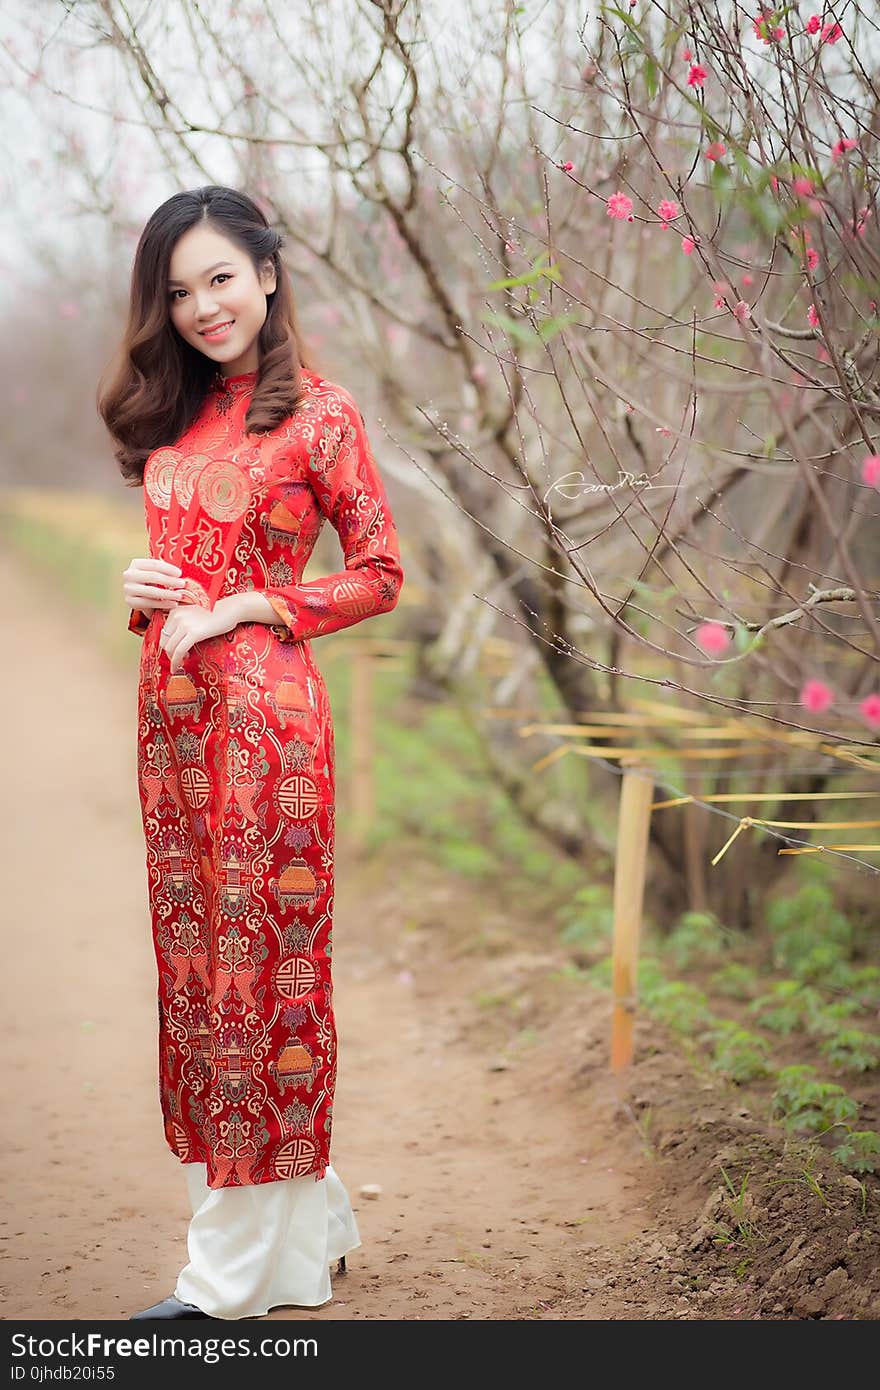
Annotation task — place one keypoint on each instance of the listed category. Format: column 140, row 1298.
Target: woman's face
column 211, row 281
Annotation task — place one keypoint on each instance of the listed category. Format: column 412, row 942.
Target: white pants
column 252, row 1248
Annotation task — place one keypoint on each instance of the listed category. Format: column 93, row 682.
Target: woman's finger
column 150, row 591
column 170, row 581
column 162, row 566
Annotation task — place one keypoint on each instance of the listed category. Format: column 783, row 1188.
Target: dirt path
column 518, row 1179
column 498, row 1195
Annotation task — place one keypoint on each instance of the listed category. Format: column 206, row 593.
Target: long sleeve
column 138, row 622
column 349, row 490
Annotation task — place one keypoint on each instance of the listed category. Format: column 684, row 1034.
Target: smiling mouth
column 216, row 329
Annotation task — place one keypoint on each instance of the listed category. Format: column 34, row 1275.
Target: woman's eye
column 221, row 275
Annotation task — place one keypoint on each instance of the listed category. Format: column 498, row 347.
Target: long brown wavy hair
column 158, row 381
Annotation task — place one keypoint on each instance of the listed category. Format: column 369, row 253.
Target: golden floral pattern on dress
column 236, row 774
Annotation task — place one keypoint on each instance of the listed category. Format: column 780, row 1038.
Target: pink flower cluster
column 829, row 32
column 766, row 27
column 667, row 211
column 845, row 143
column 713, row 638
column 620, row 206
column 863, row 215
column 871, row 470
column 697, row 75
column 817, row 697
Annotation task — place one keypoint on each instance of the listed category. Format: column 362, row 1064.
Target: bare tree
column 617, row 284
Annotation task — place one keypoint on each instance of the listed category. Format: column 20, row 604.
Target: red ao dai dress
column 236, row 776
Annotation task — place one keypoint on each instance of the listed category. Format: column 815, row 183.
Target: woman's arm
column 251, row 606
column 349, row 490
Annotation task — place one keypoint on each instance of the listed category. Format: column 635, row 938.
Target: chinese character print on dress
column 236, row 773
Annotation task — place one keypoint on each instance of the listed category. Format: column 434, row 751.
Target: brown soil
column 519, row 1178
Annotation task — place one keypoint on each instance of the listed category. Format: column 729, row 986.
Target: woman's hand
column 151, row 584
column 190, row 623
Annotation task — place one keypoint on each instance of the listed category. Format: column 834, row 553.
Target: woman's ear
column 267, row 277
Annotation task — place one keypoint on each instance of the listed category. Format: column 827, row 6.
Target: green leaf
column 621, row 14
column 721, row 179
column 528, row 277
column 520, row 332
column 649, row 72
column 550, row 327
column 767, row 214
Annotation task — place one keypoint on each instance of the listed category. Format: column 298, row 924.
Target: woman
column 243, row 450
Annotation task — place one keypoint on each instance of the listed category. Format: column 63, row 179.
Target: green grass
column 434, row 791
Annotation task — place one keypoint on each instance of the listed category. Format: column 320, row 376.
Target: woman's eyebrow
column 204, row 272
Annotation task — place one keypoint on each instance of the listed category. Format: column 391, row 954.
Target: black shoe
column 171, row 1307
column 340, row 1268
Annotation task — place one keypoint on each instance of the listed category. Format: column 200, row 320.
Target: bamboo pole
column 634, row 819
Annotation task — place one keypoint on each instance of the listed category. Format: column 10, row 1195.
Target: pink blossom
column 716, row 150
column 845, row 143
column 712, row 637
column 687, row 245
column 870, row 710
column 567, row 166
column 667, row 211
column 774, row 182
column 816, row 696
column 803, row 187
column 747, row 279
column 620, row 206
column 812, row 258
column 686, row 55
column 814, row 24
column 813, row 316
column 765, row 28
column 871, row 470
column 831, row 32
column 720, row 287
column 742, row 310
column 697, row 75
